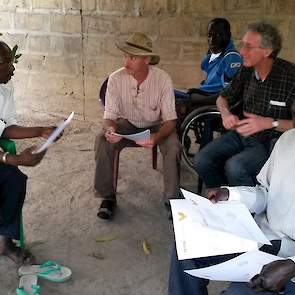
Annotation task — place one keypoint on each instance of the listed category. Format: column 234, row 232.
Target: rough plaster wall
column 68, row 45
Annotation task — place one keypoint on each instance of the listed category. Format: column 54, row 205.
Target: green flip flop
column 49, row 271
column 28, row 285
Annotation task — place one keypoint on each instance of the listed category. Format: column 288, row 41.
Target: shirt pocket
column 277, row 108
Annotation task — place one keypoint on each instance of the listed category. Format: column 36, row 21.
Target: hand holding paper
column 144, row 135
column 55, row 134
column 240, row 269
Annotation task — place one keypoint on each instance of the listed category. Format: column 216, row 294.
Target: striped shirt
column 272, row 97
column 146, row 105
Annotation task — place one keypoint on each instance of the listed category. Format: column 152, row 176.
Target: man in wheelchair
column 220, row 64
column 266, row 87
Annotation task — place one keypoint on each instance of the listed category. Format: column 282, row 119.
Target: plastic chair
column 102, row 93
column 9, row 146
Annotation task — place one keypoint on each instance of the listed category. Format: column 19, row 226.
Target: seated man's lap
column 243, row 289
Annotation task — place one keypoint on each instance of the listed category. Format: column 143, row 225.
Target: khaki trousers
column 105, row 152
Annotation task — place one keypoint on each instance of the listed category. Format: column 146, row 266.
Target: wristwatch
column 275, row 123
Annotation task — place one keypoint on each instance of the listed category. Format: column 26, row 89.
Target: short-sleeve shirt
column 146, row 105
column 7, row 105
column 272, row 97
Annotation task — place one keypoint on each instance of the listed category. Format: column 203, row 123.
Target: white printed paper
column 229, row 216
column 144, row 135
column 239, row 269
column 195, row 238
column 53, row 136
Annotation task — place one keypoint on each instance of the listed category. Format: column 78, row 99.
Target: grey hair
column 270, row 36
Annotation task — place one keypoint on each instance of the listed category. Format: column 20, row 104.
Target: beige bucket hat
column 141, row 45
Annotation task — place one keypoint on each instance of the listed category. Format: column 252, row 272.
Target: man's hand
column 45, row 132
column 27, row 158
column 253, row 124
column 230, row 121
column 149, row 143
column 110, row 136
column 273, row 276
column 217, row 194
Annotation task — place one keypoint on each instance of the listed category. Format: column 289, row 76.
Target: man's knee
column 15, row 176
column 237, row 174
column 101, row 144
column 171, row 147
column 201, row 161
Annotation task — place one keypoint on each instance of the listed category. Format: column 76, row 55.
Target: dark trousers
column 12, row 196
column 231, row 160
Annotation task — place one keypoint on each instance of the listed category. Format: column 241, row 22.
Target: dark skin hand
column 273, row 276
column 217, row 194
column 25, row 158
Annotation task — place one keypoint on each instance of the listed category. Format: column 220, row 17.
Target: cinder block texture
column 68, row 45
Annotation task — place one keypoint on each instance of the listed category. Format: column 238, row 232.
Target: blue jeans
column 181, row 283
column 231, row 160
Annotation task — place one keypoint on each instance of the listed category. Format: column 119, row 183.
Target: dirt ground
column 61, row 224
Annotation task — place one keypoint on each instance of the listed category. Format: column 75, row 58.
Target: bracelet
column 4, row 157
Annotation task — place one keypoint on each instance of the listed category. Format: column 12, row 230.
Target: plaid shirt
column 272, row 97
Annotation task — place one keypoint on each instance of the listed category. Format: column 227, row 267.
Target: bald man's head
column 6, row 63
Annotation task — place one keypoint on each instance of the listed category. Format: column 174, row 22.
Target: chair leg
column 116, row 169
column 155, row 156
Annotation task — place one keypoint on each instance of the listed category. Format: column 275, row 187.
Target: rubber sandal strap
column 21, row 291
column 36, row 289
column 50, row 270
column 49, row 263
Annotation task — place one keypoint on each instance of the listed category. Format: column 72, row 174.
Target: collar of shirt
column 213, row 56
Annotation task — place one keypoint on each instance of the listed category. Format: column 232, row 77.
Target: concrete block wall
column 68, row 45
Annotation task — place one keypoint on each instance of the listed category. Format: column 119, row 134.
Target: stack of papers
column 205, row 229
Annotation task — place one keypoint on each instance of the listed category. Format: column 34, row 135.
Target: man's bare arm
column 20, row 132
column 229, row 120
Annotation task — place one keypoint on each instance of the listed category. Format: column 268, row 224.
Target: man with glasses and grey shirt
column 265, row 86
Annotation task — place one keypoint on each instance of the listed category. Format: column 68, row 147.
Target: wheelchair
column 199, row 122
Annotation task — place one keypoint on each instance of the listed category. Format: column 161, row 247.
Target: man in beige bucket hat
column 138, row 97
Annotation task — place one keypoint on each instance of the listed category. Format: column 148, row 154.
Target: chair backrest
column 102, row 91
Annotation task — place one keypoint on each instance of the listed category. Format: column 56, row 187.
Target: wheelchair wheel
column 197, row 129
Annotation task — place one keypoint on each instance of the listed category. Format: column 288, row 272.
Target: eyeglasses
column 248, row 47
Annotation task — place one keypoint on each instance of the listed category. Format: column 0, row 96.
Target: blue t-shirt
column 221, row 70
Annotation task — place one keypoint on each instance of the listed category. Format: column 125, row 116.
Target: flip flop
column 28, row 285
column 49, row 271
column 106, row 209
